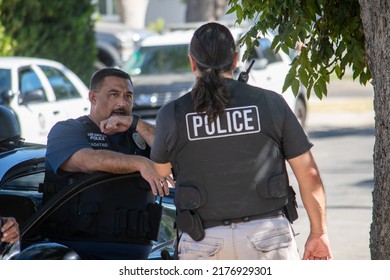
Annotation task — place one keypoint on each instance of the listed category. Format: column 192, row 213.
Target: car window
column 62, row 86
column 5, row 80
column 159, row 60
column 29, row 182
column 29, row 82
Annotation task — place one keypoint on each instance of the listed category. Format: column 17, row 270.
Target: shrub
column 55, row 29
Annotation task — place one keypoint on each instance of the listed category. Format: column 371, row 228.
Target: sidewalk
column 354, row 107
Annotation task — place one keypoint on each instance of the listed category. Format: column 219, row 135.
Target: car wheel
column 300, row 111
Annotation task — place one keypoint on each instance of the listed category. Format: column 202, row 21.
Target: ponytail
column 210, row 94
column 213, row 49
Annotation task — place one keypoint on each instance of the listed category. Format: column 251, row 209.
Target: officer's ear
column 193, row 63
column 235, row 59
column 92, row 96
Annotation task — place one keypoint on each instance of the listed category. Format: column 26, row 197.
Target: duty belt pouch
column 142, row 223
column 290, row 209
column 274, row 186
column 84, row 218
column 154, row 211
column 188, row 197
column 190, row 222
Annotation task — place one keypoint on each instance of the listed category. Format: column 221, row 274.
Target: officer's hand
column 10, row 230
column 317, row 247
column 158, row 185
column 115, row 124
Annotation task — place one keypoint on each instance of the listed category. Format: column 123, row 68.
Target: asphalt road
column 341, row 127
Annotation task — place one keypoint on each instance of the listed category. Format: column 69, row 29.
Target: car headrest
column 10, row 130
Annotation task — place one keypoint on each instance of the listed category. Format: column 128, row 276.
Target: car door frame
column 88, row 182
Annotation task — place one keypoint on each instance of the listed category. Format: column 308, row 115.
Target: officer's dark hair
column 213, row 48
column 98, row 76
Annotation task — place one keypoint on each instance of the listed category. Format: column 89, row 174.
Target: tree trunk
column 375, row 16
column 132, row 12
column 205, row 10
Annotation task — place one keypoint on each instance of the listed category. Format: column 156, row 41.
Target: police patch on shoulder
column 139, row 141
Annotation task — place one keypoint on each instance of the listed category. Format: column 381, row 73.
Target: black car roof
column 24, row 159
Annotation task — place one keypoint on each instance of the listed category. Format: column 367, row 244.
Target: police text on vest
column 235, row 121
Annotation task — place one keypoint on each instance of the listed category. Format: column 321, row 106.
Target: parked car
column 116, row 42
column 40, row 92
column 22, row 170
column 161, row 71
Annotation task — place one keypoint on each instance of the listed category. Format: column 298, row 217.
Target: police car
column 22, row 170
column 40, row 92
column 161, row 72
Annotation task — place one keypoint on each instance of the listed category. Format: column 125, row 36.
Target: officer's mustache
column 120, row 112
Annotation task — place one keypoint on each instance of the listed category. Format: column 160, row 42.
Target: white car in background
column 40, row 92
column 161, row 72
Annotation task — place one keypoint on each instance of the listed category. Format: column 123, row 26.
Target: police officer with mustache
column 109, row 139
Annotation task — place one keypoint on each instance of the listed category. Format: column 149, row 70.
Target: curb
column 357, row 105
column 348, row 104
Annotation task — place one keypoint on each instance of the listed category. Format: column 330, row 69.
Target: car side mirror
column 35, row 95
column 6, row 96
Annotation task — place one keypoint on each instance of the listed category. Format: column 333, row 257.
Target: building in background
column 171, row 11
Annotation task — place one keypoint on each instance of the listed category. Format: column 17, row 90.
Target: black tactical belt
column 226, row 222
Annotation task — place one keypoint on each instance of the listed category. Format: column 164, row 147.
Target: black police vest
column 228, row 169
column 123, row 211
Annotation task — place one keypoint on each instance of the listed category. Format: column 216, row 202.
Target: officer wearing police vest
column 227, row 143
column 116, row 221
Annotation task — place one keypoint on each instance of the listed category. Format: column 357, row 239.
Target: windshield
column 154, row 60
column 62, row 86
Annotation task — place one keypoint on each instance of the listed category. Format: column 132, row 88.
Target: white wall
column 172, row 11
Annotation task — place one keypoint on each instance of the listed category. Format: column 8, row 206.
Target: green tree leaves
column 328, row 34
column 59, row 30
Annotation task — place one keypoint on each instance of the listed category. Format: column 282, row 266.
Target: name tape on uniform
column 235, row 121
column 98, row 140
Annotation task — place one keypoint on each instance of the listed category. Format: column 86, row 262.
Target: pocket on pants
column 274, row 242
column 207, row 248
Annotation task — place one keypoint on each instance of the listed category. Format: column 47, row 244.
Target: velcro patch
column 235, row 121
